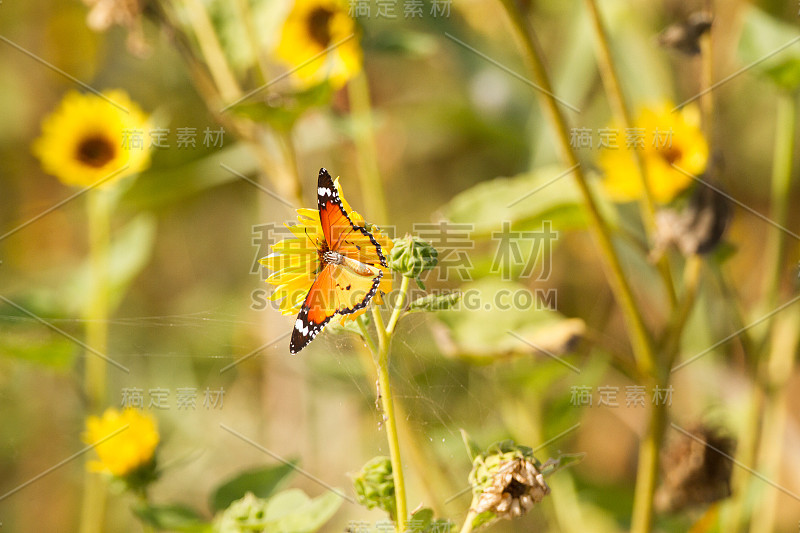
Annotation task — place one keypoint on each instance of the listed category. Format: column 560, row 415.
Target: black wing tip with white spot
column 304, row 331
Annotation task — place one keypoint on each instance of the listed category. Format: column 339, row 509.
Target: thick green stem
column 622, row 115
column 96, row 316
column 782, row 344
column 366, row 148
column 777, row 370
column 647, row 471
column 639, row 336
column 467, row 527
column 637, row 330
column 212, row 51
column 768, row 395
column 786, row 123
column 382, row 366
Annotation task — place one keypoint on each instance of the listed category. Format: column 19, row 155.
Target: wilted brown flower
column 696, row 229
column 513, row 489
column 125, row 13
column 694, row 471
column 685, row 36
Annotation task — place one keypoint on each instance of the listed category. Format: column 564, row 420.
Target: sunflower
column 90, row 138
column 294, row 261
column 132, row 446
column 312, row 27
column 668, row 138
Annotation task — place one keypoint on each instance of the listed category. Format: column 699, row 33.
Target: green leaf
column 405, row 42
column 291, row 511
column 483, row 519
column 551, row 466
column 473, row 450
column 262, row 482
column 423, row 521
column 173, row 517
column 435, row 302
column 39, row 347
column 499, row 319
column 281, row 111
column 525, row 201
column 164, row 187
column 761, row 36
column 348, row 326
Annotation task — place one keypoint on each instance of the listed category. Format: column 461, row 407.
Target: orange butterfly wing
column 337, row 289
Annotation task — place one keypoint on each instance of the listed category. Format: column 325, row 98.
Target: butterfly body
column 348, row 271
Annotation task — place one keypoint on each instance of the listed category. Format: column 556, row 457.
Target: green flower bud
column 246, row 515
column 412, row 256
column 506, row 481
column 374, row 485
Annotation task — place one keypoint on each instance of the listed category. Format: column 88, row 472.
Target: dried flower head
column 697, row 228
column 685, row 36
column 507, row 481
column 125, row 13
column 695, row 470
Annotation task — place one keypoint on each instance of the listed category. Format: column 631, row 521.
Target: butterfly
column 347, row 270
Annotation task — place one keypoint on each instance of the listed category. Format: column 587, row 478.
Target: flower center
column 671, row 154
column 515, row 489
column 95, row 151
column 319, row 26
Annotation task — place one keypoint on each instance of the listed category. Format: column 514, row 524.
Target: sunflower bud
column 412, row 256
column 506, row 481
column 243, row 516
column 374, row 485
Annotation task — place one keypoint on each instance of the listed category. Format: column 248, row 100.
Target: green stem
column 767, row 393
column 382, row 366
column 777, row 370
column 674, row 332
column 365, row 334
column 212, row 51
column 366, row 148
column 399, row 305
column 247, row 20
column 99, row 215
column 144, row 502
column 467, row 527
column 434, row 480
column 647, row 471
column 783, row 334
column 621, row 111
column 786, row 123
column 640, row 338
column 290, row 173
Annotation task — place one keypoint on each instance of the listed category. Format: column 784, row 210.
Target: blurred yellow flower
column 312, row 27
column 295, row 261
column 89, row 138
column 665, row 138
column 130, row 448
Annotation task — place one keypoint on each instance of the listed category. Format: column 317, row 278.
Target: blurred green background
column 445, row 121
